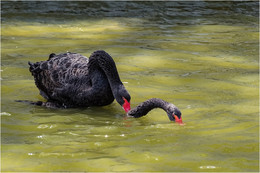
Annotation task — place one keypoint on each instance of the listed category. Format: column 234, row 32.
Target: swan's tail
column 34, row 67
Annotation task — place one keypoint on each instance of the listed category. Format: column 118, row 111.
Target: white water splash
column 5, row 114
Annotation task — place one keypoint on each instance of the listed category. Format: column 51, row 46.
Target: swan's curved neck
column 101, row 59
column 145, row 107
column 108, row 66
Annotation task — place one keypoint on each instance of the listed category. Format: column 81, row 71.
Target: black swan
column 143, row 108
column 71, row 80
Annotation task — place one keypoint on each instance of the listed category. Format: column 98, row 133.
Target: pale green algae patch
column 208, row 68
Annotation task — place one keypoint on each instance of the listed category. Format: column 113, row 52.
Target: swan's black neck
column 145, row 107
column 101, row 59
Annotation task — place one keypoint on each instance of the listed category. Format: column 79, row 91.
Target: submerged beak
column 126, row 105
column 178, row 120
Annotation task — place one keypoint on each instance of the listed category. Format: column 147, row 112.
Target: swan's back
column 58, row 71
column 65, row 67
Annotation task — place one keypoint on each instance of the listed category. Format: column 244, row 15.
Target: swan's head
column 123, row 98
column 174, row 114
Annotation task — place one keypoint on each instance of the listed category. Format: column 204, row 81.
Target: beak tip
column 178, row 120
column 126, row 106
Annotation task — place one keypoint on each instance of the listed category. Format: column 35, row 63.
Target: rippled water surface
column 201, row 56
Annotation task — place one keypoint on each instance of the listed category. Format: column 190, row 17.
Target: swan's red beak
column 178, row 120
column 126, row 105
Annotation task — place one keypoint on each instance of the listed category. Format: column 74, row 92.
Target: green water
column 201, row 56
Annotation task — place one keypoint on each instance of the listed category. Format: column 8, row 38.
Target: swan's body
column 72, row 80
column 143, row 108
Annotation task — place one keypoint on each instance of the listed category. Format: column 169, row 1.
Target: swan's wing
column 58, row 72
